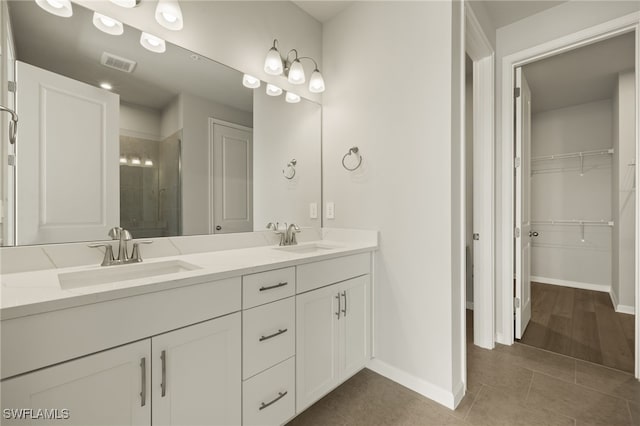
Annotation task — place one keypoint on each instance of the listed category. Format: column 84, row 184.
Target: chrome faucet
column 122, row 235
column 287, row 234
column 292, row 230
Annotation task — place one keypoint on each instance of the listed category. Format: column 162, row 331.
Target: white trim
column 421, row 386
column 605, row 288
column 509, row 63
column 623, row 309
column 500, row 339
column 470, row 305
column 481, row 53
column 230, row 124
column 140, row 135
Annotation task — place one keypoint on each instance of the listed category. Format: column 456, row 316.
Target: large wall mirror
column 162, row 144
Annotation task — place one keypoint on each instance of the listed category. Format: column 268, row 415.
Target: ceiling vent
column 117, row 62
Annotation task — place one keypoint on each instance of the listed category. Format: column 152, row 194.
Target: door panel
column 523, row 206
column 354, row 328
column 70, row 129
column 232, row 180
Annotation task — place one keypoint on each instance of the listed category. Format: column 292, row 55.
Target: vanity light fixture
column 123, row 160
column 316, row 82
column 292, row 98
column 152, row 43
column 106, row 86
column 273, row 90
column 126, row 3
column 148, row 163
column 57, row 7
column 107, row 25
column 250, row 81
column 296, row 71
column 169, row 14
column 273, row 61
column 274, row 64
column 135, row 161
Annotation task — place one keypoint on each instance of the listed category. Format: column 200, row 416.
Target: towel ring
column 13, row 125
column 352, row 150
column 289, row 171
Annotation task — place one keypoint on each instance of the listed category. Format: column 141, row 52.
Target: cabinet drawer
column 269, row 397
column 320, row 274
column 268, row 335
column 265, row 287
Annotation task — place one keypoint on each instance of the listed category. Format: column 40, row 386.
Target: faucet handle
column 114, row 233
column 108, row 253
column 135, row 254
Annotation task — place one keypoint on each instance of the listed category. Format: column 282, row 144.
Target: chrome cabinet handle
column 264, row 405
column 163, row 384
column 339, row 305
column 277, row 333
column 271, row 287
column 143, row 374
column 344, row 311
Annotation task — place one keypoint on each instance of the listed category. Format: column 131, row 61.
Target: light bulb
column 60, row 8
column 273, row 90
column 107, row 25
column 296, row 73
column 152, row 43
column 292, row 98
column 106, row 86
column 169, row 14
column 273, row 62
column 316, row 82
column 250, row 81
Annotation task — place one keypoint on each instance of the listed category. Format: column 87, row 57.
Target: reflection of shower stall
column 150, row 186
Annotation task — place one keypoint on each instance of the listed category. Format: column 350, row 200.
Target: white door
column 7, row 170
column 108, row 388
column 67, row 159
column 354, row 326
column 523, row 204
column 232, row 179
column 317, row 369
column 197, row 374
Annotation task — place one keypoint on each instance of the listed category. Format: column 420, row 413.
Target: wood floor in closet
column 582, row 324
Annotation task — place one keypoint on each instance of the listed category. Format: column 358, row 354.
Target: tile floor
column 510, row 385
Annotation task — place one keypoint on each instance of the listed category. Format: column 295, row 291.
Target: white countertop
column 34, row 292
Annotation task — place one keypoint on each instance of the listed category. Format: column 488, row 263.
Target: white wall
column 548, row 25
column 624, row 193
column 282, row 132
column 485, row 21
column 399, row 112
column 559, row 192
column 139, row 121
column 235, row 33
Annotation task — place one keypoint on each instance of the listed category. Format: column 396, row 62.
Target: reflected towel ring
column 289, row 171
column 353, row 150
column 13, row 125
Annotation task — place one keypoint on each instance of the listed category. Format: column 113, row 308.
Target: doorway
column 575, row 200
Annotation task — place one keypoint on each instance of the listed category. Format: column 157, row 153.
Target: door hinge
column 12, row 86
column 516, row 302
column 516, row 92
column 516, row 162
column 516, row 232
column 12, row 160
column 476, row 237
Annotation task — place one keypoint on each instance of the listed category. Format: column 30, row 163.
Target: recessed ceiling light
column 107, row 25
column 152, row 43
column 250, row 81
column 106, row 86
column 57, row 7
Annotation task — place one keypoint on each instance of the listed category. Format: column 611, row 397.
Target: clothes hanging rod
column 574, row 222
column 574, row 154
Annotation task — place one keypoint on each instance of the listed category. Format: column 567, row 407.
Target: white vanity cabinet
column 333, row 331
column 108, row 388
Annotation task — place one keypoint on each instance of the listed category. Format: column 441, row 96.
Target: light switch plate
column 331, row 213
column 313, row 210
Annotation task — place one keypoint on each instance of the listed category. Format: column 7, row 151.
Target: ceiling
column 505, row 12
column 579, row 76
column 73, row 47
column 323, row 11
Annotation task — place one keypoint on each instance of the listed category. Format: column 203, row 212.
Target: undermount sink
column 116, row 273
column 307, row 248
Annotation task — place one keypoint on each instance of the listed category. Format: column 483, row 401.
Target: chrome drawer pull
column 282, row 284
column 277, row 333
column 278, row 398
column 143, row 374
column 339, row 309
column 163, row 384
column 344, row 311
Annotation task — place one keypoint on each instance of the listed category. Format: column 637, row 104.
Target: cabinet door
column 355, row 325
column 196, row 374
column 108, row 388
column 316, row 345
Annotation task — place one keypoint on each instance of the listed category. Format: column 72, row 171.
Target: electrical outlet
column 331, row 213
column 313, row 210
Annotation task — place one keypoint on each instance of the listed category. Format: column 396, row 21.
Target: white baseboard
column 424, row 388
column 470, row 305
column 500, row 339
column 623, row 309
column 573, row 284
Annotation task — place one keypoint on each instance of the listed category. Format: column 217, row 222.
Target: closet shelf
column 574, row 222
column 573, row 155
